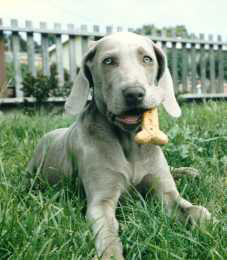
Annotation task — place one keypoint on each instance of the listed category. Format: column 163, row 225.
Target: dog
column 128, row 74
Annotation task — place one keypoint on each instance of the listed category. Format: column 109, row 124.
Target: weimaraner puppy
column 127, row 74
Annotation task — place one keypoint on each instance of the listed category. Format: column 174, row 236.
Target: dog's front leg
column 105, row 228
column 102, row 202
column 162, row 182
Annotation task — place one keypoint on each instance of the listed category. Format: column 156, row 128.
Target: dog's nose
column 134, row 95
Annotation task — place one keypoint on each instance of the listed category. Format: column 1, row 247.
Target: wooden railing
column 196, row 63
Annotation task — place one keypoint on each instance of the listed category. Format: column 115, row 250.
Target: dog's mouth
column 132, row 117
column 128, row 120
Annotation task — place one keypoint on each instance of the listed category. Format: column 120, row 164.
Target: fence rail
column 197, row 64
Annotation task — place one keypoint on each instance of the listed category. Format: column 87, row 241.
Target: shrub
column 42, row 87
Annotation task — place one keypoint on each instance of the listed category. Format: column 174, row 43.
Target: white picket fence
column 71, row 43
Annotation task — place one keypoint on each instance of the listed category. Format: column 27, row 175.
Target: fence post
column 109, row 29
column 202, row 64
column 78, row 47
column 174, row 62
column 119, row 29
column 96, row 29
column 212, row 88
column 16, row 59
column 220, row 66
column 193, row 65
column 2, row 62
column 59, row 55
column 72, row 52
column 184, row 67
column 81, row 45
column 45, row 54
column 30, row 49
column 84, row 39
column 153, row 31
column 164, row 43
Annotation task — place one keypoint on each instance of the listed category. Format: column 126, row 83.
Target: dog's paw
column 198, row 215
column 108, row 257
column 111, row 254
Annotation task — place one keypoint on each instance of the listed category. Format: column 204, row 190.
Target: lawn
column 51, row 224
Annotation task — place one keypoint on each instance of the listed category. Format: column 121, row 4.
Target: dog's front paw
column 108, row 257
column 198, row 215
column 110, row 254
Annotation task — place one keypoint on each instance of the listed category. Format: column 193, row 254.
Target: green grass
column 51, row 224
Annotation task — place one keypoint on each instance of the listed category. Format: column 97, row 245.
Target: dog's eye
column 147, row 59
column 108, row 61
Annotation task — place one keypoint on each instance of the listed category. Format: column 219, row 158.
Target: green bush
column 10, row 74
column 42, row 87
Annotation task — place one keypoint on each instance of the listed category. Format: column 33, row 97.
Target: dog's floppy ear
column 82, row 84
column 164, row 81
column 169, row 102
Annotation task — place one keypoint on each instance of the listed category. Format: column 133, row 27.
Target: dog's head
column 128, row 74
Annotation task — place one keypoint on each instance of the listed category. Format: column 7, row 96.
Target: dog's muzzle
column 129, row 120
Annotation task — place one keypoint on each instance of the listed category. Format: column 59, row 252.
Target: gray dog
column 128, row 75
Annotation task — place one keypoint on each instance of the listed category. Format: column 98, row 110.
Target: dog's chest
column 139, row 158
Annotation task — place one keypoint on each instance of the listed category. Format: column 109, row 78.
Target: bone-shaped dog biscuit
column 150, row 132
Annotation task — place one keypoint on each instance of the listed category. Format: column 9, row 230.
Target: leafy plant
column 42, row 87
column 36, row 87
column 10, row 74
column 56, row 89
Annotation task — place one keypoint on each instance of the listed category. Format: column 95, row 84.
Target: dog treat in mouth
column 150, row 133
